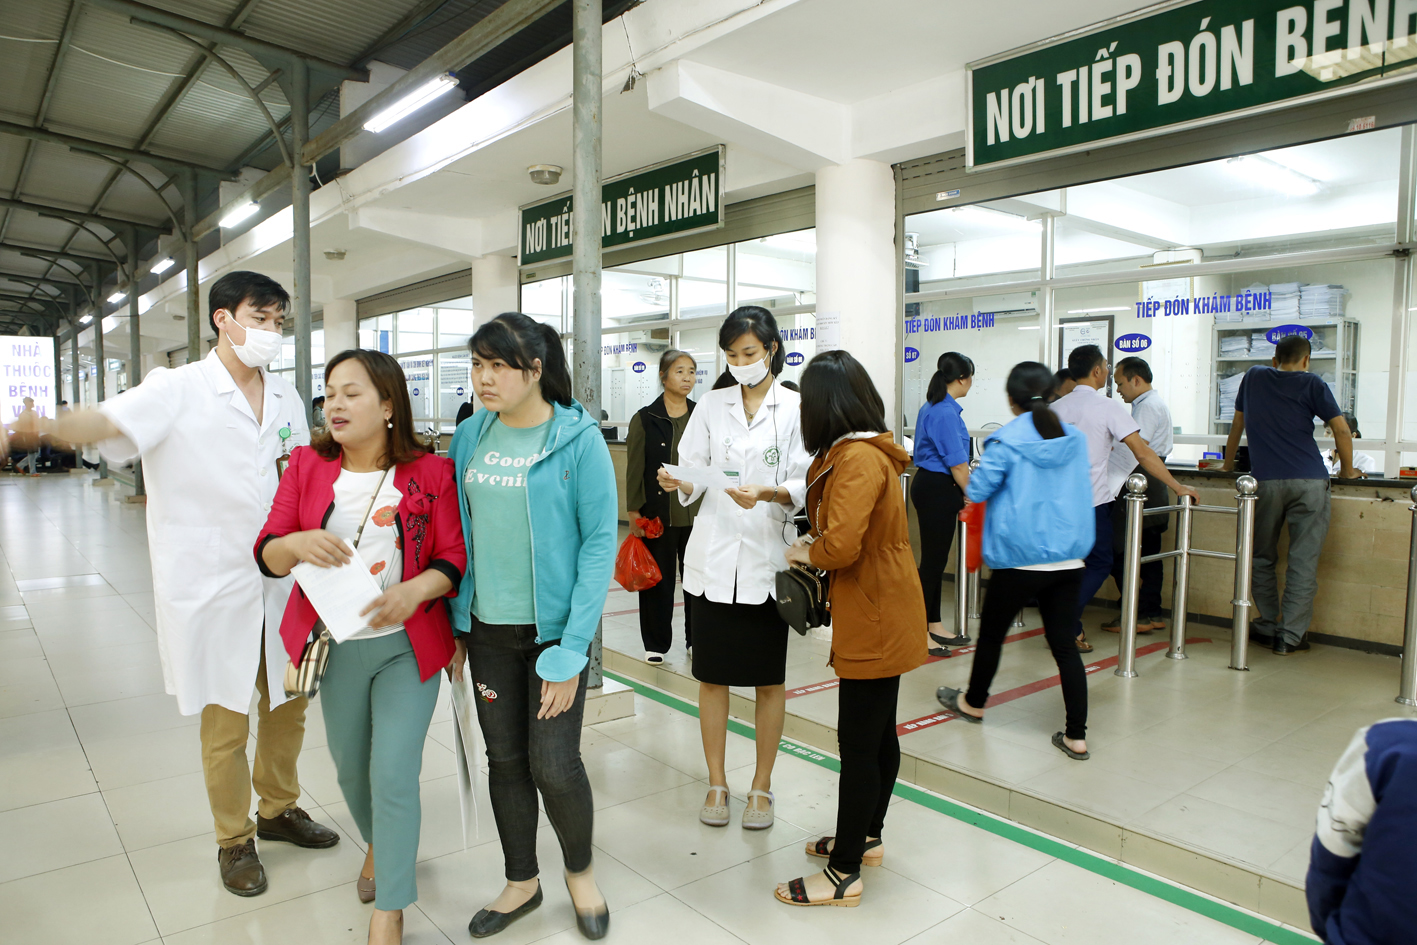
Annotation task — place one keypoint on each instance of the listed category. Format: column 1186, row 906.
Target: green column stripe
column 1117, row 872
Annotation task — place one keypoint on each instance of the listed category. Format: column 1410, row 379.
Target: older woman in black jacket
column 653, row 440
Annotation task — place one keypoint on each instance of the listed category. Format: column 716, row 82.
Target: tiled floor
column 107, row 837
column 1230, row 763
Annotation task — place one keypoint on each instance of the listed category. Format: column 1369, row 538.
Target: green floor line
column 1117, row 872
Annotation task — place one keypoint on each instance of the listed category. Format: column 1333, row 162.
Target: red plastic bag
column 973, row 517
column 635, row 567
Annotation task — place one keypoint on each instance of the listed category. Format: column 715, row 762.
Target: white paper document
column 707, row 476
column 339, row 594
column 467, row 739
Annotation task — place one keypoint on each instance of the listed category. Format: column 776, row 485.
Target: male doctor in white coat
column 209, row 435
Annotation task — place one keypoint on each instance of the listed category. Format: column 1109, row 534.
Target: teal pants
column 376, row 719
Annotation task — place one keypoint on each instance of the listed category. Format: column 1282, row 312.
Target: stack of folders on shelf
column 1321, row 301
column 1260, row 346
column 1234, row 315
column 1259, row 290
column 1229, row 387
column 1284, row 301
column 1234, row 346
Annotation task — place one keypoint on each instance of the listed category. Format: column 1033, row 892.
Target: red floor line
column 929, row 721
column 828, row 684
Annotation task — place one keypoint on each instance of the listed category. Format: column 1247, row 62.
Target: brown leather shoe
column 241, row 869
column 295, row 826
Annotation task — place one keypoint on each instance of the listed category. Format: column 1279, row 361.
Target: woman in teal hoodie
column 539, row 519
column 1038, row 527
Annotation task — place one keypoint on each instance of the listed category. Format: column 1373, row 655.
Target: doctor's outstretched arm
column 81, row 426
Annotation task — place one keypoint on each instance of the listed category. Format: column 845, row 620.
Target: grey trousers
column 1304, row 505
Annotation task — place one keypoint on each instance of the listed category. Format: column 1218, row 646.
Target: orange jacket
column 858, row 510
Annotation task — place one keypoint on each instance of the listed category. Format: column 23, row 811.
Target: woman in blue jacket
column 539, row 504
column 1038, row 527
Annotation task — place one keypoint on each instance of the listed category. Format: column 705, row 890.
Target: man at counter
column 1276, row 407
column 1108, row 427
column 1133, row 381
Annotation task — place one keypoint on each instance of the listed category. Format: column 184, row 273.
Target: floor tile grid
column 1246, row 921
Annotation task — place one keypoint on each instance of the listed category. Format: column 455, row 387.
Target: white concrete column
column 341, row 326
column 856, row 259
column 494, row 287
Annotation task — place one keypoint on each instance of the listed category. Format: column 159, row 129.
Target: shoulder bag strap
column 372, row 499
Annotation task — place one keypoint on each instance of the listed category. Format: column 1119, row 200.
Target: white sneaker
column 655, row 658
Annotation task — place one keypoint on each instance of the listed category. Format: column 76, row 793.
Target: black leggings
column 657, row 603
column 870, row 761
column 938, row 500
column 1057, row 593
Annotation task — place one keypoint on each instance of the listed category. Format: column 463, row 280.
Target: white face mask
column 750, row 374
column 260, row 348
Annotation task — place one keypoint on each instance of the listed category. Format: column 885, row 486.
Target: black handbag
column 803, row 593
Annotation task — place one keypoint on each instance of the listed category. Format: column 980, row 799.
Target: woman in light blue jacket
column 539, row 518
column 1038, row 527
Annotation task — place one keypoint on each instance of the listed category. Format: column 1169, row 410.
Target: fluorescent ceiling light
column 988, row 216
column 1258, row 169
column 411, row 103
column 162, row 265
column 1108, row 308
column 239, row 212
column 118, row 296
column 86, row 319
column 1028, row 328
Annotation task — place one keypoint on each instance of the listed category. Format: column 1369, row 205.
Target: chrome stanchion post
column 1131, row 574
column 905, row 488
column 1181, row 579
column 1245, row 499
column 961, row 583
column 1407, row 683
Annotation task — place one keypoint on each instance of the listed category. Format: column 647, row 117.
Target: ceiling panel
column 24, row 66
column 60, row 176
column 306, row 25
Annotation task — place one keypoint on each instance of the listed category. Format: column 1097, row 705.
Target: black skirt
column 738, row 644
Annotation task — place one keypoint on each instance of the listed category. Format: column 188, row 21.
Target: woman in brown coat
column 859, row 534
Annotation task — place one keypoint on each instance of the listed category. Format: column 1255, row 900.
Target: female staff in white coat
column 738, row 544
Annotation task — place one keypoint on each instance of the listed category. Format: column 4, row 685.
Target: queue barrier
column 1245, row 498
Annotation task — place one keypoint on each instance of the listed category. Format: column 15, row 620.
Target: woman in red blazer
column 369, row 479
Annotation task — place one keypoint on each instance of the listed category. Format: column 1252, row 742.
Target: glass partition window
column 285, row 365
column 1115, row 243
column 430, row 343
column 679, row 301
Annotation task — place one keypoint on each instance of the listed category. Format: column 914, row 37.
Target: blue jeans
column 526, row 754
column 1098, row 564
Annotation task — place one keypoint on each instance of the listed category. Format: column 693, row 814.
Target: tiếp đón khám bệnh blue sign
column 1180, row 65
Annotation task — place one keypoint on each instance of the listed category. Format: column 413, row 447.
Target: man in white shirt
column 1133, row 381
column 209, row 434
column 1108, row 426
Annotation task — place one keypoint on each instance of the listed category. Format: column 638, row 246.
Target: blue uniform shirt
column 941, row 438
column 1279, row 408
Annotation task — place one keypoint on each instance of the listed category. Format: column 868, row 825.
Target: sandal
column 365, row 889
column 1062, row 746
column 716, row 816
column 1083, row 645
column 754, row 819
column 949, row 698
column 797, row 891
column 872, row 855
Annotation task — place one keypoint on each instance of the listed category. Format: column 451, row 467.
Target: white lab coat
column 732, row 547
column 210, row 472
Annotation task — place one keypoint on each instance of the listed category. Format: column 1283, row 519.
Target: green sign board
column 669, row 199
column 1181, row 65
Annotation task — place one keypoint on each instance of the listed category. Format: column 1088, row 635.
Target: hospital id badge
column 735, row 480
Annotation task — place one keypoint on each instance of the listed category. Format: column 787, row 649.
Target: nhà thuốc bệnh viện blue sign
column 1181, row 66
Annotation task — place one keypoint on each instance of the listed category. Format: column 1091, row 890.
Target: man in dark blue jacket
column 1364, row 855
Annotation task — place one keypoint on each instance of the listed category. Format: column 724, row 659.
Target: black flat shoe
column 593, row 925
column 487, row 922
column 1283, row 648
column 949, row 698
column 959, row 640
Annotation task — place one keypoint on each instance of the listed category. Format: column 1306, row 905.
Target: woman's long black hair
column 756, row 321
column 838, row 398
column 951, row 367
column 520, row 340
column 1028, row 387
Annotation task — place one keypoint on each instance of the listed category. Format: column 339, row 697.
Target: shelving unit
column 1339, row 358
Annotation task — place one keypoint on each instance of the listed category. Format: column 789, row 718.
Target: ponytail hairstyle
column 521, row 341
column 951, row 367
column 1028, row 387
column 756, row 321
